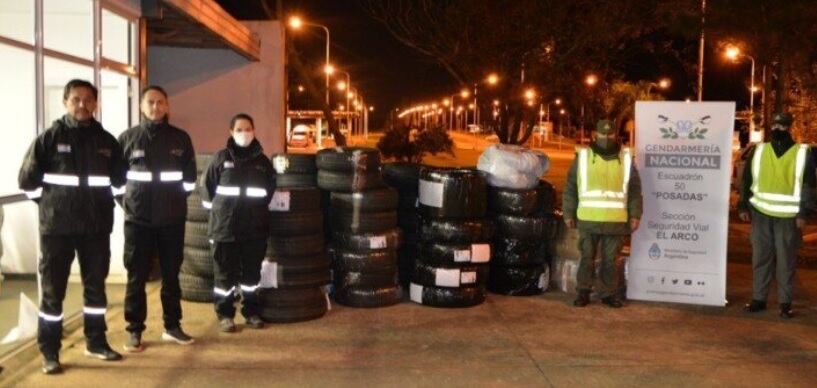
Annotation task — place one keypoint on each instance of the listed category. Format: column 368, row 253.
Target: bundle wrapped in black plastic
column 452, row 193
column 294, row 170
column 454, row 254
column 403, row 176
column 447, row 296
column 457, row 231
column 369, row 296
column 366, row 279
column 348, row 159
column 348, row 182
column 450, row 276
column 390, row 239
column 292, row 305
column 518, row 280
column 377, row 200
column 521, row 202
column 360, row 223
column 520, row 227
column 381, row 260
column 516, row 252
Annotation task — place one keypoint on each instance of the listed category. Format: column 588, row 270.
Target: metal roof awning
column 197, row 23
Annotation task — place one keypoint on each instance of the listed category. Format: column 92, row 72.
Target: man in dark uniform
column 161, row 174
column 777, row 194
column 603, row 192
column 70, row 170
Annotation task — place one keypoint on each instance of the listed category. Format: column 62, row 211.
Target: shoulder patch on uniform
column 63, row 148
column 137, row 153
column 177, row 152
column 228, row 164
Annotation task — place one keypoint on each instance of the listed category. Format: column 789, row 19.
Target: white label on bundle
column 480, row 253
column 462, row 256
column 444, row 277
column 431, row 193
column 377, row 242
column 279, row 202
column 269, row 275
column 468, row 277
column 416, row 293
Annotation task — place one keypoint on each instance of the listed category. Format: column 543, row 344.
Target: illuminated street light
column 664, row 83
column 496, row 102
column 295, row 22
column 530, row 94
column 558, row 101
column 329, row 69
column 492, row 79
column 350, row 95
column 732, row 53
column 371, row 108
column 591, row 80
column 465, row 93
column 446, row 102
column 300, row 89
column 341, row 85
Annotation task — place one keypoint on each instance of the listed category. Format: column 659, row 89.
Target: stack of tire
column 405, row 178
column 196, row 276
column 523, row 241
column 296, row 269
column 363, row 219
column 452, row 269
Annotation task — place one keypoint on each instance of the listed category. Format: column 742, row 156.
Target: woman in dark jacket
column 236, row 187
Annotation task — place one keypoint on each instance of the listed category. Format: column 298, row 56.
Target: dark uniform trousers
column 94, row 254
column 237, row 268
column 141, row 243
column 610, row 247
column 773, row 236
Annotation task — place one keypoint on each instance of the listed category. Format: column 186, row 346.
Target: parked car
column 299, row 138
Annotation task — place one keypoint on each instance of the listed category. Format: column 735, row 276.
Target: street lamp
column 732, row 53
column 347, row 86
column 663, row 83
column 590, row 80
column 296, row 23
column 492, row 79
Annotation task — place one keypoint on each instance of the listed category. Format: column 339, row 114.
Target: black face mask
column 780, row 135
column 605, row 143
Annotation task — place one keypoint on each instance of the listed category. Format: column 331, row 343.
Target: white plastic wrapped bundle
column 513, row 166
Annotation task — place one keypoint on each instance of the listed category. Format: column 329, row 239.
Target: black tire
column 303, row 264
column 196, row 288
column 521, row 281
column 409, row 222
column 377, row 200
column 284, row 163
column 366, row 242
column 195, row 211
column 383, row 260
column 285, row 306
column 518, row 202
column 349, row 181
column 380, row 222
column 296, row 200
column 296, row 272
column 408, row 203
column 554, row 222
column 454, row 276
column 515, row 252
column 452, row 193
column 520, row 227
column 406, row 260
column 194, row 240
column 403, row 176
column 365, row 279
column 457, row 231
column 454, row 254
column 289, row 280
column 547, row 197
column 198, row 262
column 369, row 296
column 446, row 297
column 347, row 159
column 295, row 246
column 197, row 228
column 296, row 180
column 288, row 224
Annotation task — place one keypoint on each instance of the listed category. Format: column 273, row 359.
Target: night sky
column 391, row 75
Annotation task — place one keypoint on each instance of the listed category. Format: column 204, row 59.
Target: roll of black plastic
column 369, row 296
column 515, row 252
column 360, row 223
column 452, row 193
column 348, row 159
column 457, row 231
column 376, row 200
column 368, row 241
column 447, row 297
column 520, row 227
column 403, row 176
column 349, row 182
column 287, row 224
column 453, row 253
column 522, row 202
column 381, row 260
column 450, row 276
column 529, row 280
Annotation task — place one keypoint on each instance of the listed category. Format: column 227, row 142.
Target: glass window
column 17, row 78
column 56, row 74
column 116, row 38
column 114, row 102
column 17, row 20
column 68, row 27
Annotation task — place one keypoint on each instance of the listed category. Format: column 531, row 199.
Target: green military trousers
column 610, row 246
column 774, row 237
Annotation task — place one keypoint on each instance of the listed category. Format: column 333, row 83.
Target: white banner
column 684, row 157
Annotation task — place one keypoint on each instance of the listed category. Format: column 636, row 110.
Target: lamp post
column 663, row 83
column 296, row 23
column 591, row 80
column 348, row 86
column 733, row 53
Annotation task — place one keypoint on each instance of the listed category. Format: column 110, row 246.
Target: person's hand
column 634, row 222
column 744, row 216
column 800, row 222
column 571, row 223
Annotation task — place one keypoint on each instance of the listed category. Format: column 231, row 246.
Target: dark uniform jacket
column 807, row 197
column 237, row 186
column 570, row 197
column 70, row 170
column 161, row 174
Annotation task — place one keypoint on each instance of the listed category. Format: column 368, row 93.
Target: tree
column 402, row 145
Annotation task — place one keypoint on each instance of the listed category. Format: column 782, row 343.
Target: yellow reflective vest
column 602, row 186
column 777, row 182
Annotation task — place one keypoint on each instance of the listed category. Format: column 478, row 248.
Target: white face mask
column 243, row 139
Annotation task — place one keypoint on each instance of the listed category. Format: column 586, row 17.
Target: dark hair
column 153, row 87
column 241, row 116
column 79, row 83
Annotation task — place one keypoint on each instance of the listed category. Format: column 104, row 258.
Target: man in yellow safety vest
column 776, row 195
column 602, row 198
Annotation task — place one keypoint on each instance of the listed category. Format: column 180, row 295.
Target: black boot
column 611, row 301
column 583, row 299
column 785, row 311
column 51, row 365
column 755, row 306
